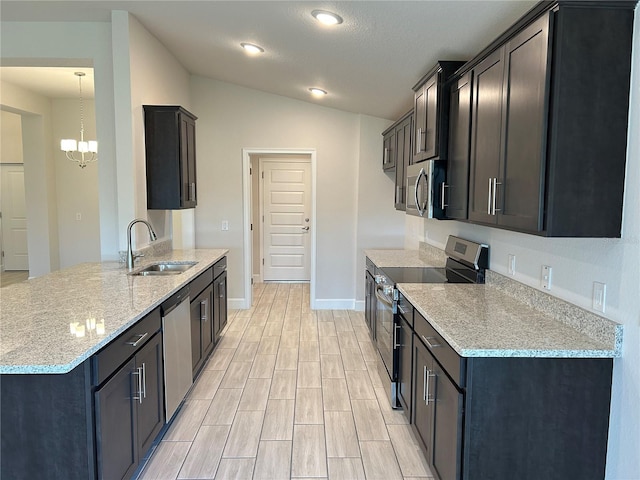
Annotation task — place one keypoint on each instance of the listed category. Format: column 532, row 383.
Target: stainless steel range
column 466, row 263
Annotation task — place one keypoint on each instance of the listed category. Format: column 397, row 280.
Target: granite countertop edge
column 205, row 258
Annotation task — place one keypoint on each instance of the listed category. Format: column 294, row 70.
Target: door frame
column 246, row 213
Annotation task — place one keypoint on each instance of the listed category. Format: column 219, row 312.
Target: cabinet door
column 457, row 187
column 220, row 304
column 207, row 321
column 447, row 425
column 196, row 335
column 520, row 191
column 151, row 409
column 422, row 412
column 405, row 340
column 430, row 135
column 115, row 425
column 389, row 151
column 187, row 161
column 403, row 159
column 485, row 136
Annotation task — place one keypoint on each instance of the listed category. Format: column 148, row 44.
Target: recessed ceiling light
column 326, row 18
column 317, row 92
column 252, row 48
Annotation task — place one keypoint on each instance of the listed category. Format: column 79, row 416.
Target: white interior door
column 286, row 193
column 14, row 218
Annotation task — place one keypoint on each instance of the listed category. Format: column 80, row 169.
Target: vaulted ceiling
column 368, row 64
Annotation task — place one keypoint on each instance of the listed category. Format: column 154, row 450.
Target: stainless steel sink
column 164, row 268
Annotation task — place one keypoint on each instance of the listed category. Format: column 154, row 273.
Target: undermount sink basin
column 164, row 268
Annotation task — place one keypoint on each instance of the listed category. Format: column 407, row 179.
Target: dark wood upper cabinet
column 431, row 113
column 389, row 149
column 456, row 189
column 550, row 102
column 397, row 141
column 170, row 144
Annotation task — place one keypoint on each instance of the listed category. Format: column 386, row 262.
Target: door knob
column 306, row 229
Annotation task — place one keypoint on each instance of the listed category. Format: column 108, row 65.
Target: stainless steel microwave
column 425, row 180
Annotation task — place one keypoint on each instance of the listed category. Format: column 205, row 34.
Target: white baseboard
column 359, row 307
column 333, row 304
column 237, row 304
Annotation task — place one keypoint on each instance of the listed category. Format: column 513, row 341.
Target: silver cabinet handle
column 192, row 191
column 428, row 396
column 429, row 344
column 144, row 381
column 489, row 199
column 424, row 383
column 203, row 310
column 442, row 200
column 495, row 190
column 134, row 343
column 395, row 336
column 419, row 140
column 385, row 155
column 138, row 372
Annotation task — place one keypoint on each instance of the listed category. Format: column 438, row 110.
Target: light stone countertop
column 36, row 315
column 483, row 321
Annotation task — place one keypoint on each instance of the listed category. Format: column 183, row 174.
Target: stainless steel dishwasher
column 176, row 329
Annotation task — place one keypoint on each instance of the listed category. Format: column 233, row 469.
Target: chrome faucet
column 131, row 257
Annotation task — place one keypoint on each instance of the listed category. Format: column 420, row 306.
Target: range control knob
column 380, row 279
column 388, row 290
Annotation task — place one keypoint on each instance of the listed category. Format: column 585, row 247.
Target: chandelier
column 82, row 151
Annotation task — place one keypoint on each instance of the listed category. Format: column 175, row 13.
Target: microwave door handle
column 415, row 193
column 419, row 206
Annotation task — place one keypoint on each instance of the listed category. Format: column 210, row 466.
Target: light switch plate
column 599, row 296
column 546, row 277
column 512, row 264
column 225, row 225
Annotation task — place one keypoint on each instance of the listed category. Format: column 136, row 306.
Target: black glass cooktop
column 415, row 274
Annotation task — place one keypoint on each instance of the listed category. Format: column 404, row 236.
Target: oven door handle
column 383, row 298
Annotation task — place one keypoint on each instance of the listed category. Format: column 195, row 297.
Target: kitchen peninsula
column 53, row 330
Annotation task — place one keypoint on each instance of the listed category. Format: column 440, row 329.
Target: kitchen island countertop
column 38, row 315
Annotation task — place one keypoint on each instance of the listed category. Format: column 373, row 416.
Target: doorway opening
column 279, row 233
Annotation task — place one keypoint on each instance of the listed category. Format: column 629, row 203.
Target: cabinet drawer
column 109, row 359
column 200, row 283
column 220, row 267
column 451, row 362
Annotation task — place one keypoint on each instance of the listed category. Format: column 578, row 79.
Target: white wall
column 577, row 263
column 11, row 135
column 232, row 118
column 379, row 224
column 157, row 78
column 76, row 188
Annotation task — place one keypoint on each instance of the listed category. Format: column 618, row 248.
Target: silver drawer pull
column 135, row 343
column 395, row 337
column 203, row 310
column 429, row 344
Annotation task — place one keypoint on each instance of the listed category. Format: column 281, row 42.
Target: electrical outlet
column 545, row 277
column 225, row 225
column 78, row 216
column 512, row 264
column 599, row 296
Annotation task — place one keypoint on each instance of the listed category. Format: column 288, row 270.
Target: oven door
column 384, row 328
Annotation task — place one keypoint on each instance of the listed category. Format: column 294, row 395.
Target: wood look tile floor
column 289, row 393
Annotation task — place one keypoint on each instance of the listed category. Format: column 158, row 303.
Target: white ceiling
column 368, row 64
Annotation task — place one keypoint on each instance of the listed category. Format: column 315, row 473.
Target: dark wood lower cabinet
column 130, row 412
column 220, row 304
column 405, row 340
column 202, row 319
column 524, row 418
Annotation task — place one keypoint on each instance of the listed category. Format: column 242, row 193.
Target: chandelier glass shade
column 81, row 151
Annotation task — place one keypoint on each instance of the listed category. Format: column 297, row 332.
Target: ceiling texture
column 368, row 64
